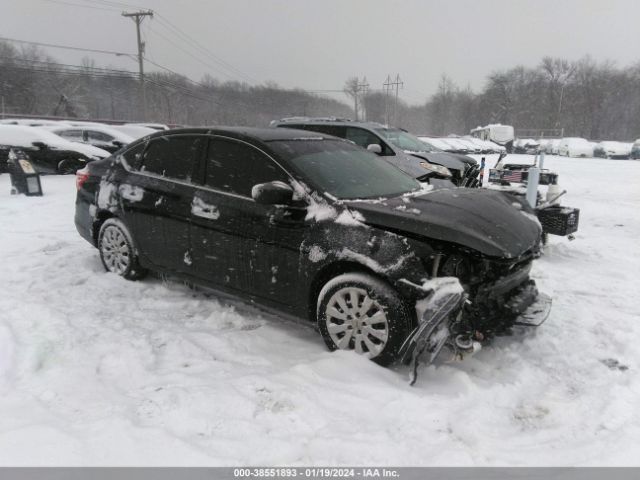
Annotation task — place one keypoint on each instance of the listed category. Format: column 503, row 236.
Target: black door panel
column 236, row 242
column 160, row 217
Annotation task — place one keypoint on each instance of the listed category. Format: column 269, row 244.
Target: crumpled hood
column 483, row 220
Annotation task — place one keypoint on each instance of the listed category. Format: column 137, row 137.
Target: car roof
column 340, row 123
column 247, row 133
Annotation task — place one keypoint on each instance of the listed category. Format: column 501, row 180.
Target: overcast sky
column 318, row 44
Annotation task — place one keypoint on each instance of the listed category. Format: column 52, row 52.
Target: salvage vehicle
column 527, row 146
column 615, row 150
column 405, row 151
column 554, row 218
column 316, row 227
column 575, row 147
column 101, row 136
column 48, row 152
column 503, row 135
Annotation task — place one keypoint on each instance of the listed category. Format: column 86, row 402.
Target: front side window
column 364, row 138
column 173, row 156
column 403, row 140
column 236, row 167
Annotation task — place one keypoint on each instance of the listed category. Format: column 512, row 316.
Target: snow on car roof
column 24, row 136
column 106, row 129
column 21, row 136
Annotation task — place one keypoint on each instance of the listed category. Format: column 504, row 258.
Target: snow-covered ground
column 95, row 370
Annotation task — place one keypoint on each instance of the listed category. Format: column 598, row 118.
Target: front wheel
column 117, row 250
column 357, row 311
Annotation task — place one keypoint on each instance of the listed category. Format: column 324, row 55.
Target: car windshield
column 404, row 140
column 343, row 170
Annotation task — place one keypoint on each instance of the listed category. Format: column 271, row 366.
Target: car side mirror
column 40, row 145
column 375, row 148
column 272, row 193
column 117, row 143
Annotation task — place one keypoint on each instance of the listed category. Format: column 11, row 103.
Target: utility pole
column 364, row 88
column 388, row 85
column 137, row 18
column 399, row 84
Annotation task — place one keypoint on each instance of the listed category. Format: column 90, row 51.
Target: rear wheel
column 357, row 311
column 117, row 250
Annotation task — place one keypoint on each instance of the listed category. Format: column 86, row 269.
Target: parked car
column 134, row 131
column 401, row 148
column 455, row 146
column 438, row 143
column 551, row 147
column 575, row 147
column 484, row 145
column 465, row 145
column 612, row 150
column 101, row 136
column 318, row 228
column 635, row 150
column 502, row 135
column 153, row 126
column 48, row 152
column 31, row 122
column 527, row 146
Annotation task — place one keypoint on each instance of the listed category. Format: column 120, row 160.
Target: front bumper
column 442, row 313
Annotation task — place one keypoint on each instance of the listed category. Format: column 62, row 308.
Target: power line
column 66, row 47
column 189, row 53
column 228, row 70
column 117, row 5
column 194, row 43
column 62, row 2
column 132, row 76
column 388, row 87
column 188, row 40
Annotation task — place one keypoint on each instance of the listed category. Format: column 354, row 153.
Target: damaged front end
column 449, row 317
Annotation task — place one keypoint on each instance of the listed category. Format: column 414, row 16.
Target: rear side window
column 173, row 156
column 236, row 167
column 134, row 155
column 335, row 130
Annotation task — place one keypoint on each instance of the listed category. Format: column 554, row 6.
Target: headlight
column 439, row 169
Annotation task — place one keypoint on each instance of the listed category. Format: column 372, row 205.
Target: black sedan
column 317, row 227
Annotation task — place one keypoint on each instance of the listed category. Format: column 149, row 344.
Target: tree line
column 583, row 98
column 586, row 98
column 33, row 83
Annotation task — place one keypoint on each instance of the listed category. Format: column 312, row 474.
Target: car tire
column 117, row 250
column 357, row 311
column 68, row 166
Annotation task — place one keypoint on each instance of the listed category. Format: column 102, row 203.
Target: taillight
column 81, row 176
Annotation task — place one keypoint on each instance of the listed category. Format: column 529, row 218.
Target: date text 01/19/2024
column 315, row 472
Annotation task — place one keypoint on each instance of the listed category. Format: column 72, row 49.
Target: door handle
column 290, row 217
column 163, row 193
column 203, row 210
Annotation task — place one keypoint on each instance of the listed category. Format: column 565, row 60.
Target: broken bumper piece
column 443, row 307
column 536, row 313
column 439, row 310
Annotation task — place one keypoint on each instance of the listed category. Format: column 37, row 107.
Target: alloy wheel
column 115, row 249
column 355, row 321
